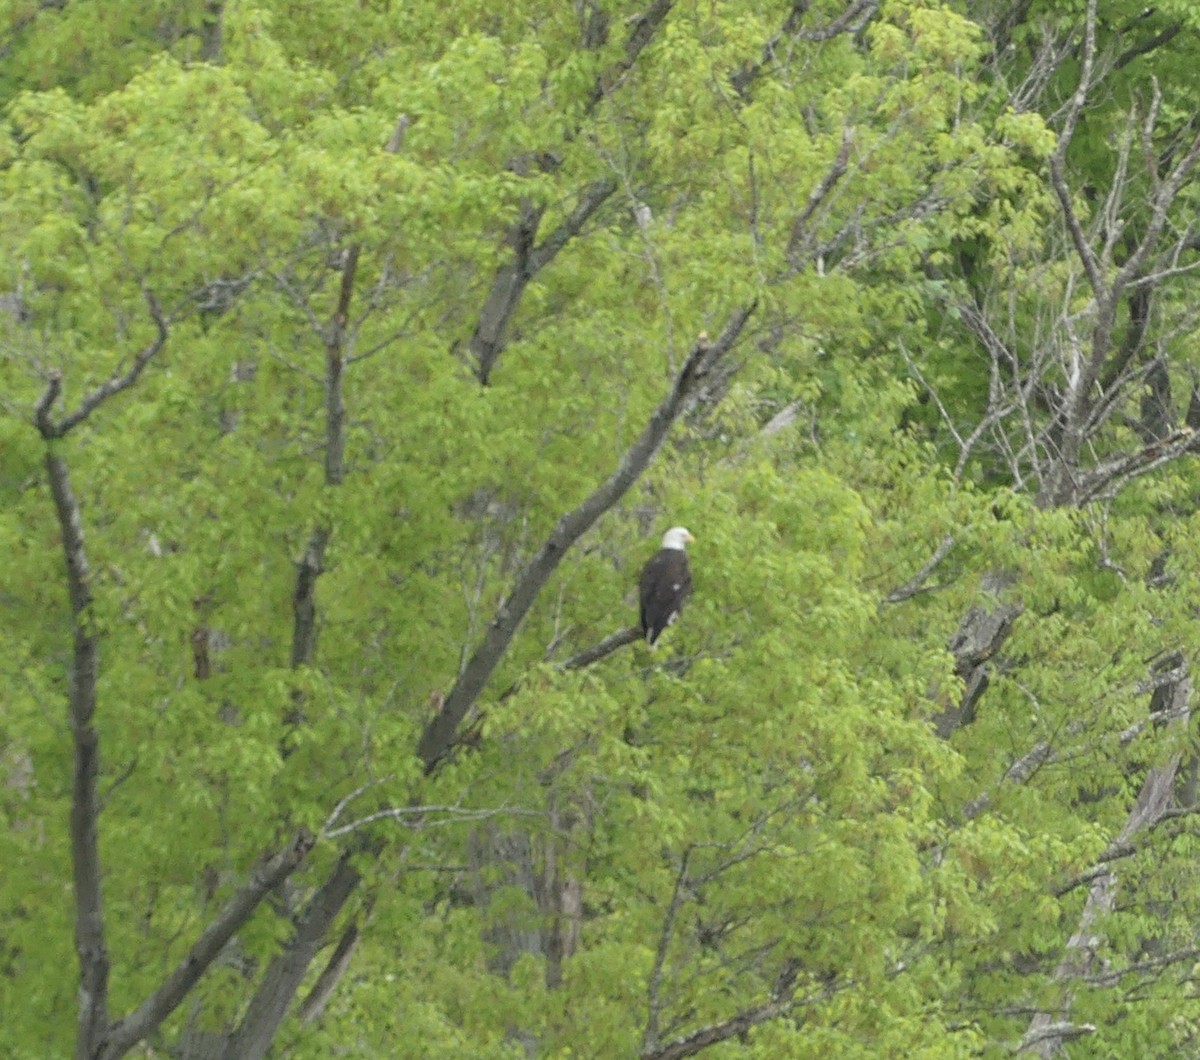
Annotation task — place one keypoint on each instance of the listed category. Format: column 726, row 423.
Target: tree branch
column 916, row 583
column 1058, row 179
column 974, row 645
column 848, row 21
column 1164, row 196
column 1082, row 951
column 318, row 997
column 817, row 196
column 113, row 385
column 335, row 347
column 1052, row 1035
column 644, row 26
column 1148, row 45
column 285, row 973
column 150, row 1014
column 1112, row 473
column 41, row 411
column 419, row 815
column 654, row 1000
column 688, row 386
column 90, row 945
column 698, row 1041
column 604, row 648
column 508, row 286
column 487, row 341
column 334, row 336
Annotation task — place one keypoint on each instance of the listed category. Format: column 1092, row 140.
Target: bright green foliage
column 768, row 817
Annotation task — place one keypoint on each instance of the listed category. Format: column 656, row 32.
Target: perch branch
column 604, row 648
column 688, row 386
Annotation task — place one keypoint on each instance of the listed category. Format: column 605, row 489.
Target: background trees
column 355, row 358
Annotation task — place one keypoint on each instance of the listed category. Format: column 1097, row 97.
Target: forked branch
column 286, row 971
column 511, row 280
column 114, row 384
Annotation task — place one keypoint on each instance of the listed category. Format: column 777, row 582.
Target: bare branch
column 150, row 1014
column 690, row 384
column 1106, row 477
column 1164, row 196
column 1058, row 179
column 340, row 808
column 1054, row 1034
column 422, row 815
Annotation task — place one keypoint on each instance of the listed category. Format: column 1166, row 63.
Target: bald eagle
column 665, row 583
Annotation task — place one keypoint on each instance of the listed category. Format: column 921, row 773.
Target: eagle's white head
column 677, row 537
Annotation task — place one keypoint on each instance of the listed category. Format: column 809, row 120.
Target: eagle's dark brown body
column 665, row 584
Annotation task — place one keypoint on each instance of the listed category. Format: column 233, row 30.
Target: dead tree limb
column 689, row 385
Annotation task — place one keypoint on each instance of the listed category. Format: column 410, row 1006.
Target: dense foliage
column 355, row 357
